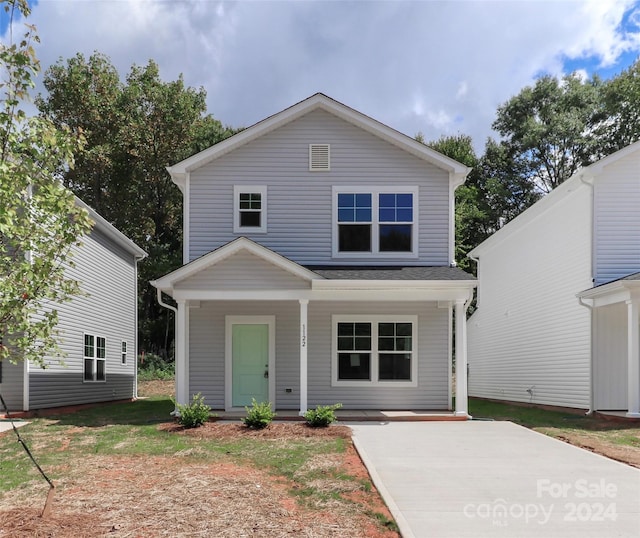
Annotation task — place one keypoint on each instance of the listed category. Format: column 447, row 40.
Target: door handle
column 266, row 374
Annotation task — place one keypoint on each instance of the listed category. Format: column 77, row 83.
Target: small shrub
column 195, row 413
column 152, row 367
column 322, row 416
column 259, row 416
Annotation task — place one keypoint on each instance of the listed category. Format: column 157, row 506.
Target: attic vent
column 319, row 157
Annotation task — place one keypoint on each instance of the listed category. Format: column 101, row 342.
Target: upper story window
column 375, row 221
column 249, row 209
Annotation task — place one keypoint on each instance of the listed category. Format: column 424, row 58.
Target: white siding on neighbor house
column 207, row 348
column 617, row 220
column 107, row 276
column 529, row 331
column 610, row 358
column 299, row 212
column 243, row 271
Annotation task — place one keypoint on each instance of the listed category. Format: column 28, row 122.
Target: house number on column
column 303, row 341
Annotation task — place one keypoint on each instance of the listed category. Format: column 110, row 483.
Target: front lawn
column 616, row 439
column 126, row 470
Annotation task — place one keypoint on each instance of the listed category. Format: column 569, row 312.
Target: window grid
column 123, row 352
column 375, row 222
column 374, row 350
column 95, row 354
column 250, row 205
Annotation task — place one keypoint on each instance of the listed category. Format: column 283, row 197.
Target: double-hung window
column 375, row 221
column 249, row 209
column 374, row 350
column 95, row 356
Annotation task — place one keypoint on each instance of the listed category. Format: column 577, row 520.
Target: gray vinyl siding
column 11, row 386
column 299, row 207
column 207, row 354
column 610, row 362
column 529, row 331
column 617, row 220
column 108, row 277
column 243, row 271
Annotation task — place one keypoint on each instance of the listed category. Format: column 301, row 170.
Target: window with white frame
column 250, row 209
column 95, row 356
column 374, row 350
column 380, row 221
column 123, row 350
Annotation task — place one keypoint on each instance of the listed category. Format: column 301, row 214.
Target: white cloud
column 439, row 67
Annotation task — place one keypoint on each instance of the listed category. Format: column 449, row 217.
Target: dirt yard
column 162, row 496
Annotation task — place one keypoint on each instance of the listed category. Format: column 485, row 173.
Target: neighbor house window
column 124, row 352
column 250, row 209
column 95, row 354
column 374, row 350
column 381, row 221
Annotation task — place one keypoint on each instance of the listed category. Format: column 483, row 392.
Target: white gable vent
column 319, row 157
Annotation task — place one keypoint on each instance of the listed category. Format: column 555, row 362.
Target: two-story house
column 318, row 248
column 559, row 295
column 98, row 330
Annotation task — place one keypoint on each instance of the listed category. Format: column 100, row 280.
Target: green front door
column 250, row 356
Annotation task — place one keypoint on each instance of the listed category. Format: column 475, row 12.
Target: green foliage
column 322, row 415
column 259, row 415
column 194, row 414
column 40, row 222
column 134, row 129
column 151, row 366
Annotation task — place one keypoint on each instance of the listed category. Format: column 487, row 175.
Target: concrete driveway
column 496, row 479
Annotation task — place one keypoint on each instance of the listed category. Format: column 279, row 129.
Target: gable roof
column 111, row 231
column 582, row 177
column 319, row 101
column 241, row 244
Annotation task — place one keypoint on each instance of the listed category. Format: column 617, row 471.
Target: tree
column 134, row 130
column 39, row 220
column 548, row 127
column 618, row 119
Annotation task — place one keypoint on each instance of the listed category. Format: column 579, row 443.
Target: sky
column 434, row 67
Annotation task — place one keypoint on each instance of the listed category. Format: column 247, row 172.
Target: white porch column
column 303, row 355
column 462, row 407
column 633, row 358
column 182, row 373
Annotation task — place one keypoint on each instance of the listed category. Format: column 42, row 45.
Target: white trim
column 374, row 320
column 25, row 384
column 186, row 219
column 229, row 322
column 182, row 353
column 633, row 358
column 250, row 189
column 375, row 221
column 381, row 294
column 304, row 339
column 449, row 356
column 167, row 282
column 462, row 399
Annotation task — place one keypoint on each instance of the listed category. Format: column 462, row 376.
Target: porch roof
column 616, row 291
column 331, row 272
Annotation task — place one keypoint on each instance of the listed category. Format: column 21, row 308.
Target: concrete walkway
column 496, row 479
column 5, row 424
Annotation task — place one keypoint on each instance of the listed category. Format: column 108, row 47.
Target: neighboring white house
column 98, row 330
column 559, row 294
column 318, row 250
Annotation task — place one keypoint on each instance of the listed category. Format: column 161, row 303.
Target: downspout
column 175, row 321
column 590, row 306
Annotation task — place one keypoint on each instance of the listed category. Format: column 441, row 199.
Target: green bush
column 195, row 413
column 151, row 367
column 259, row 415
column 322, row 416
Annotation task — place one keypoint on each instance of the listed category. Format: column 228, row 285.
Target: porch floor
column 355, row 415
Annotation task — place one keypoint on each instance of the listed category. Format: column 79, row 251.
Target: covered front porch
column 250, row 323
column 615, row 346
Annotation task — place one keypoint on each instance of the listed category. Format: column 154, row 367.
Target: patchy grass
column 616, row 439
column 117, row 467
